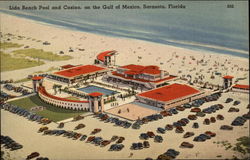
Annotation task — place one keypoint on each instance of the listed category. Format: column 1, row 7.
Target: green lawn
column 73, row 98
column 22, row 80
column 41, row 54
column 6, row 45
column 9, row 63
column 53, row 113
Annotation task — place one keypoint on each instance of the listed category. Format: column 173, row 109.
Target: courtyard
column 133, row 111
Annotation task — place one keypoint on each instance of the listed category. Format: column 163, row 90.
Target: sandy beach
column 177, row 61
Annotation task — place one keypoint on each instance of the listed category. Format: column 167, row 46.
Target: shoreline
column 195, row 46
column 176, row 60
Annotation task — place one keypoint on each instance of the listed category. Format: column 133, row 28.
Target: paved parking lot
column 132, row 111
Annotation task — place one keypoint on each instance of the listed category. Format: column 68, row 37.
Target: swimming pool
column 91, row 89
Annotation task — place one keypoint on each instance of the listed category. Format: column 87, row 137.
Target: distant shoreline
column 188, row 45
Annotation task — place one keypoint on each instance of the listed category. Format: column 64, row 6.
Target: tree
column 60, row 88
column 54, row 87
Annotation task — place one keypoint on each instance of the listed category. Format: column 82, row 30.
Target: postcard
column 124, row 80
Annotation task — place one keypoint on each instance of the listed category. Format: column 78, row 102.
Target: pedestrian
column 131, row 154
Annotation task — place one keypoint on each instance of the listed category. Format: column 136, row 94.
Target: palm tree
column 60, row 88
column 54, row 87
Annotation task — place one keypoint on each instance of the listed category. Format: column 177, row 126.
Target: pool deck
column 93, row 88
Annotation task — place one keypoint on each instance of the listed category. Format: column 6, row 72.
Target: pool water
column 91, row 89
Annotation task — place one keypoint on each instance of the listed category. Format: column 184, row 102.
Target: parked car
column 173, row 111
column 200, row 114
column 165, row 113
column 228, row 100
column 90, row 139
column 116, row 147
column 151, row 134
column 143, row 136
column 146, row 144
column 179, row 108
column 212, row 119
column 206, row 121
column 182, row 122
column 232, row 109
column 79, row 126
column 136, row 126
column 140, row 145
column 42, row 129
column 196, row 110
column 192, row 117
column 96, row 130
column 161, row 130
column 114, row 138
column 211, row 134
column 134, row 146
column 226, row 127
column 77, row 136
column 205, row 136
column 187, row 105
column 97, row 140
column 105, row 143
column 179, row 130
column 172, row 153
column 188, row 134
column 199, row 139
column 83, row 137
column 169, row 127
column 33, row 155
column 158, row 139
column 220, row 117
column 239, row 121
column 236, row 103
column 195, row 125
column 185, row 120
column 60, row 132
column 246, row 116
column 120, row 140
column 177, row 124
column 186, row 145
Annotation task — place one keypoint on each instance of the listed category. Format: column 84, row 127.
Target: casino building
column 75, row 74
column 240, row 88
column 139, row 76
column 170, row 96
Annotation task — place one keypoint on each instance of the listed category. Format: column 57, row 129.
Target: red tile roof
column 142, row 80
column 241, row 86
column 43, row 91
column 170, row 92
column 133, row 67
column 95, row 94
column 36, row 78
column 81, row 70
column 228, row 77
column 67, row 66
column 101, row 56
column 139, row 69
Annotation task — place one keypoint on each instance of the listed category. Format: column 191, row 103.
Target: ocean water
column 202, row 25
